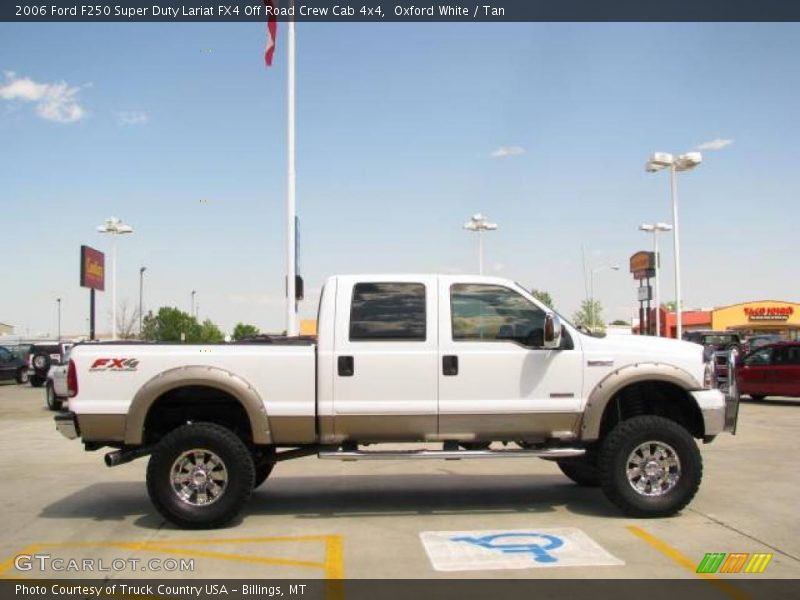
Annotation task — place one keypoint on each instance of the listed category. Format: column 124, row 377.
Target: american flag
column 272, row 30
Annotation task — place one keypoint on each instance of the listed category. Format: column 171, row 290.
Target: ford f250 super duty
column 475, row 364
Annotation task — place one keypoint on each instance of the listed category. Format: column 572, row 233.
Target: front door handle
column 346, row 366
column 450, row 365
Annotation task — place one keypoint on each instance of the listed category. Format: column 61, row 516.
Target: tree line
column 171, row 324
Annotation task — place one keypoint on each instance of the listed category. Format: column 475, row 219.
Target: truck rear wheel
column 264, row 462
column 650, row 467
column 581, row 472
column 200, row 476
column 262, row 471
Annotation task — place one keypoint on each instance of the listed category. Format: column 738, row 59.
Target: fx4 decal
column 115, row 364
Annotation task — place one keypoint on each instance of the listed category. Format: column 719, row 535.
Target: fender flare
column 612, row 383
column 197, row 375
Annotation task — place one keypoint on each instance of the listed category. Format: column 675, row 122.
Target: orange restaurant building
column 758, row 316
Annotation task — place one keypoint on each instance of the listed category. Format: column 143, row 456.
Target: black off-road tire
column 581, row 472
column 37, row 381
column 53, row 401
column 238, row 463
column 617, row 448
column 22, row 376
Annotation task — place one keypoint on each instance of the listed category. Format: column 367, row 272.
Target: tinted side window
column 494, row 313
column 388, row 311
column 761, row 357
column 793, row 355
column 786, row 355
column 5, row 355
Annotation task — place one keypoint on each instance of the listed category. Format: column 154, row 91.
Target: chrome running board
column 450, row 454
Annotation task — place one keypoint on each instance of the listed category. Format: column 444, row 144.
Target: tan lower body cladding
column 102, row 428
column 531, row 427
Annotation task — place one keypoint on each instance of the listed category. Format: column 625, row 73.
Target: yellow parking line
column 285, row 562
column 334, row 557
column 687, row 563
column 332, row 566
column 8, row 564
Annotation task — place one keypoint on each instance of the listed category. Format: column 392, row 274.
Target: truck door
column 496, row 381
column 785, row 370
column 755, row 373
column 385, row 359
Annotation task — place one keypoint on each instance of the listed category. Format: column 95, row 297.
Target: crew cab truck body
column 474, row 363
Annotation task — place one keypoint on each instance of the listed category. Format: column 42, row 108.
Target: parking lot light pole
column 655, row 228
column 659, row 161
column 593, row 318
column 478, row 223
column 141, row 288
column 115, row 227
column 58, row 300
column 194, row 293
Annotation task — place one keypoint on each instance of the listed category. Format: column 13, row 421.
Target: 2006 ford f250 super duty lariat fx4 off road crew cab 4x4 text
column 465, row 361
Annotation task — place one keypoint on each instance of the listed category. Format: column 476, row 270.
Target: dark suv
column 717, row 340
column 12, row 366
column 720, row 343
column 41, row 357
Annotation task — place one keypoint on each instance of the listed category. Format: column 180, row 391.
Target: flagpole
column 291, row 314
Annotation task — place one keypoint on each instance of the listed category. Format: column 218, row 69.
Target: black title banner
column 401, row 10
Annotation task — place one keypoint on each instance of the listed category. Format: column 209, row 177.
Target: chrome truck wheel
column 650, row 466
column 653, row 468
column 200, row 476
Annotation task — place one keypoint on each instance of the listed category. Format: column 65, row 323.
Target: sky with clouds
column 404, row 131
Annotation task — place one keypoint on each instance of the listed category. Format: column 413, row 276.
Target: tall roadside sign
column 643, row 268
column 93, row 276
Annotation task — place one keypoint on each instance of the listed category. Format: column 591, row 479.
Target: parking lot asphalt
column 330, row 519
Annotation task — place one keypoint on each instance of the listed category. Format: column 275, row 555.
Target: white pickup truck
column 473, row 364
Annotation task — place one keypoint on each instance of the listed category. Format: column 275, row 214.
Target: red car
column 772, row 370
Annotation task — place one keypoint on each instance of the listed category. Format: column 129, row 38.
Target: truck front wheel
column 200, row 476
column 650, row 467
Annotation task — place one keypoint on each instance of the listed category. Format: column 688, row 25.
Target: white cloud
column 505, row 151
column 53, row 101
column 717, row 144
column 132, row 117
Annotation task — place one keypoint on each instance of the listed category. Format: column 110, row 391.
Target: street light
column 115, row 227
column 654, row 228
column 58, row 300
column 194, row 292
column 593, row 319
column 479, row 224
column 141, row 287
column 659, row 161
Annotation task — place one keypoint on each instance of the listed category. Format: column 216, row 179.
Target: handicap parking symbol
column 518, row 542
column 534, row 548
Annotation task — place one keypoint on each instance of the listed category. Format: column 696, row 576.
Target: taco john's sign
column 93, row 269
column 768, row 313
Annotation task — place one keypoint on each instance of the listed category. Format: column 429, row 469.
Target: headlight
column 710, row 375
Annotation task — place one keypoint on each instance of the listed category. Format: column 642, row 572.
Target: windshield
column 719, row 340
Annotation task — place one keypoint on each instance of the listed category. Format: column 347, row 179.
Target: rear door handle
column 450, row 365
column 346, row 366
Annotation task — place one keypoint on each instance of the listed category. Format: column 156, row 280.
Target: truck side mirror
column 552, row 331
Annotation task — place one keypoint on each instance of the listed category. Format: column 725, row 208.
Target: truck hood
column 627, row 350
column 644, row 345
